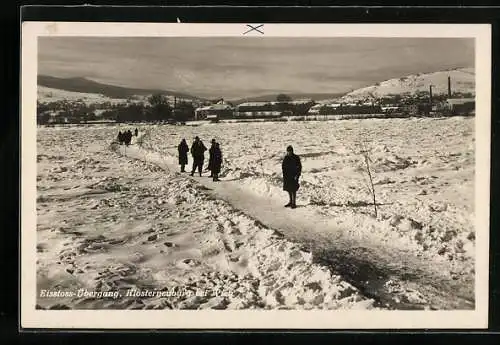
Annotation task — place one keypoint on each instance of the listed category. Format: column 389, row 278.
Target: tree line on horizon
column 156, row 109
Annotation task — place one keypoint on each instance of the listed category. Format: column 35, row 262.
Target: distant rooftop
column 460, row 100
column 215, row 107
column 302, row 101
column 255, row 104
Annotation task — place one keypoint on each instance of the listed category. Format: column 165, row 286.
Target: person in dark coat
column 120, row 137
column 136, row 132
column 292, row 168
column 198, row 152
column 183, row 149
column 128, row 137
column 216, row 162
column 211, row 158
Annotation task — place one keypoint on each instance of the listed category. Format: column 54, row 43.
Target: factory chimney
column 449, row 87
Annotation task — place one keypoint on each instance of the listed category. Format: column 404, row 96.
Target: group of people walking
column 126, row 137
column 291, row 166
column 197, row 151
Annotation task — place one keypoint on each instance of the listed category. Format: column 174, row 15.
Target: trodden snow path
column 395, row 277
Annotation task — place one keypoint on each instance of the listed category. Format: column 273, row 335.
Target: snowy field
column 423, row 171
column 116, row 233
column 107, row 222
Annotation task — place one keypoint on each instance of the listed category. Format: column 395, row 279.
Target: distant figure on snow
column 211, row 158
column 292, row 168
column 120, row 137
column 183, row 149
column 216, row 162
column 198, row 152
column 128, row 137
column 136, row 132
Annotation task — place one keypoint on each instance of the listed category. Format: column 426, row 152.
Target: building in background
column 258, row 109
column 213, row 112
column 460, row 106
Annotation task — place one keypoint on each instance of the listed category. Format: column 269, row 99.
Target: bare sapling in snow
column 142, row 138
column 366, row 156
column 257, row 149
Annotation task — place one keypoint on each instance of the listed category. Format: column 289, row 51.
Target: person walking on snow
column 183, row 149
column 128, row 137
column 211, row 158
column 136, row 132
column 291, row 168
column 217, row 162
column 198, row 152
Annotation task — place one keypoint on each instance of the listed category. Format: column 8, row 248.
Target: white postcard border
column 275, row 319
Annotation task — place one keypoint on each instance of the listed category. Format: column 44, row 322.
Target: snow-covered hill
column 47, row 95
column 78, row 87
column 462, row 80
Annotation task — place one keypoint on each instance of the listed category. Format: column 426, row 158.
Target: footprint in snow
column 188, row 263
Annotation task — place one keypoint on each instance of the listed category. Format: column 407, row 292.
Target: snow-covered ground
column 124, row 223
column 147, row 238
column 423, row 171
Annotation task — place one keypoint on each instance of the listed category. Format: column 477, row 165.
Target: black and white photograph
column 256, row 172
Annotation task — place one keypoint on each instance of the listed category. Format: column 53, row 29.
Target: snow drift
column 124, row 234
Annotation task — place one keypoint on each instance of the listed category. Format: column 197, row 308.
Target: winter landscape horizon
column 384, row 218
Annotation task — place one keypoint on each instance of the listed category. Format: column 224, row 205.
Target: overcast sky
column 236, row 67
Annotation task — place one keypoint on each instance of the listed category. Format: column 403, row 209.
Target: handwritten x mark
column 254, row 28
